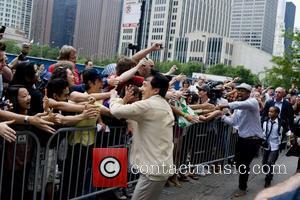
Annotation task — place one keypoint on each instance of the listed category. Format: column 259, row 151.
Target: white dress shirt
column 274, row 138
column 278, row 104
column 245, row 118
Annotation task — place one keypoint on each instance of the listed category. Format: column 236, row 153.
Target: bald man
column 286, row 109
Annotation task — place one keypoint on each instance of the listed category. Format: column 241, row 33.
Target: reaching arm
column 130, row 73
column 80, row 97
column 143, row 53
column 206, row 106
column 178, row 112
column 249, row 104
column 74, row 119
column 35, row 120
column 210, row 115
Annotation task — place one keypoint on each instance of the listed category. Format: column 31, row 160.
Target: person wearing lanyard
column 246, row 119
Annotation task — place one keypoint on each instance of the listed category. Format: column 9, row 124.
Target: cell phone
column 161, row 46
column 2, row 29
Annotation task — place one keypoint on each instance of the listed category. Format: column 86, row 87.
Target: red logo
column 110, row 167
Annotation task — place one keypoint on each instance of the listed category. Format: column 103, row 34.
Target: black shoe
column 267, row 184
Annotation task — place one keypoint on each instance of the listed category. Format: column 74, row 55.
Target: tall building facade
column 41, row 21
column 278, row 47
column 97, row 28
column 17, row 15
column 63, row 22
column 289, row 21
column 131, row 22
column 254, row 22
column 172, row 21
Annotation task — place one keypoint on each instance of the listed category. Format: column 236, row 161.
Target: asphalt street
column 219, row 187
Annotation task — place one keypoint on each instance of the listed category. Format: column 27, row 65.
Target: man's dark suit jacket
column 286, row 113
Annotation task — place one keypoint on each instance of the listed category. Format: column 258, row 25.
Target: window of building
column 231, row 49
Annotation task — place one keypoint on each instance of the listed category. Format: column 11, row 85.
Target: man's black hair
column 56, row 86
column 277, row 110
column 90, row 75
column 159, row 81
column 25, row 74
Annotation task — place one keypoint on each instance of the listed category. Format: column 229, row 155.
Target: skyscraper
column 41, row 21
column 289, row 21
column 254, row 22
column 63, row 22
column 16, row 14
column 278, row 47
column 172, row 20
column 97, row 28
column 131, row 23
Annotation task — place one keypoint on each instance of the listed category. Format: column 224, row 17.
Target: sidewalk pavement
column 221, row 187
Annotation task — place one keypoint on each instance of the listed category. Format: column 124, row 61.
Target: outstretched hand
column 129, row 94
column 38, row 122
column 6, row 132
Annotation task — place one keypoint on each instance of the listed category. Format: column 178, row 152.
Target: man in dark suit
column 286, row 109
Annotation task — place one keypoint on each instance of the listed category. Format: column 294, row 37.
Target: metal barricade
column 72, row 161
column 204, row 143
column 62, row 169
column 19, row 167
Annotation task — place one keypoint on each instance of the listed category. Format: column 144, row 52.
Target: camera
column 215, row 93
column 161, row 46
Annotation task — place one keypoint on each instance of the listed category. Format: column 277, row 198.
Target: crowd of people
column 59, row 96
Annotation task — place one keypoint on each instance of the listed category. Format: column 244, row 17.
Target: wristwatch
column 26, row 119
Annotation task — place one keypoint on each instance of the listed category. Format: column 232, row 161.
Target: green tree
column 238, row 71
column 12, row 47
column 287, row 70
column 184, row 68
column 165, row 66
column 44, row 51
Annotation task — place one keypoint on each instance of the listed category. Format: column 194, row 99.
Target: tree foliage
column 12, row 47
column 184, row 68
column 239, row 71
column 287, row 70
column 43, row 51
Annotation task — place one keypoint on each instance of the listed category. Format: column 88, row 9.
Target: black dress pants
column 246, row 150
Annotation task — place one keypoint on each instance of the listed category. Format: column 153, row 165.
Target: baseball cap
column 244, row 86
column 204, row 88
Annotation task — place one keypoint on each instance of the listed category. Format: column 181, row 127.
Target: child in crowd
column 273, row 128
